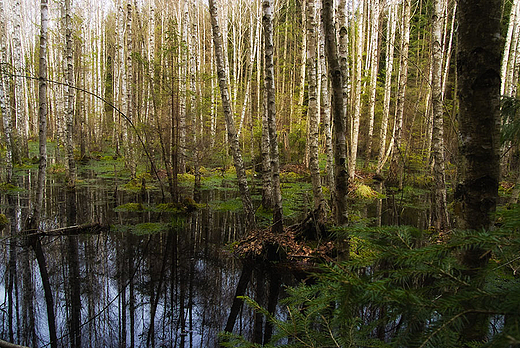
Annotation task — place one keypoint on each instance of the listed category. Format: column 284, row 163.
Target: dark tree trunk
column 478, row 78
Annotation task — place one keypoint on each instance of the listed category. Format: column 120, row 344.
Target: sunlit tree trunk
column 478, row 78
column 338, row 112
column 357, row 90
column 325, row 105
column 374, row 67
column 304, row 54
column 183, row 112
column 267, row 21
column 4, row 100
column 313, row 111
column 508, row 59
column 396, row 166
column 21, row 122
column 390, row 39
column 69, row 94
column 130, row 90
column 267, row 179
column 228, row 113
column 440, row 212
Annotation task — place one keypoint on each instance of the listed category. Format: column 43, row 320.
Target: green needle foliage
column 404, row 287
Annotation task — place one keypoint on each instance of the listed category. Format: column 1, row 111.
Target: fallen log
column 4, row 344
column 88, row 228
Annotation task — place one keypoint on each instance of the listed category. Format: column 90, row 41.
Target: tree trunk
column 374, row 67
column 4, row 101
column 313, row 111
column 357, row 90
column 325, row 106
column 395, row 175
column 478, row 78
column 69, row 95
column 267, row 21
column 440, row 212
column 267, row 180
column 21, row 121
column 228, row 114
column 390, row 39
column 130, row 90
column 338, row 112
column 34, row 220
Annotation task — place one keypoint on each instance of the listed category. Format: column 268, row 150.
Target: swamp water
column 155, row 279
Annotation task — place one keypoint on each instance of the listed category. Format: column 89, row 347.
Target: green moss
column 234, row 204
column 149, row 228
column 168, row 208
column 363, row 191
column 129, row 207
column 3, row 221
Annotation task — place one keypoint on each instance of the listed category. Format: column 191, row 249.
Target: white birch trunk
column 228, row 114
column 4, row 103
column 21, row 122
column 440, row 212
column 129, row 89
column 267, row 21
column 354, row 135
column 183, row 113
column 313, row 111
column 509, row 47
column 338, row 110
column 325, row 106
column 374, row 68
column 69, row 94
column 395, row 174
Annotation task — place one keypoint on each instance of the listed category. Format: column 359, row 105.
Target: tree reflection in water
column 119, row 289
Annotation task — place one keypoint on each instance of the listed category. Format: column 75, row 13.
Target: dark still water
column 170, row 286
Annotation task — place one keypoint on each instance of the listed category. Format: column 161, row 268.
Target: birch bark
column 313, row 115
column 21, row 122
column 69, row 95
column 374, row 67
column 395, row 172
column 440, row 212
column 325, row 106
column 338, row 111
column 390, row 39
column 354, row 134
column 267, row 21
column 4, row 104
column 228, row 114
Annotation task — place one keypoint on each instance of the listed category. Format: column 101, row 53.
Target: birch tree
column 269, row 86
column 338, row 112
column 4, row 103
column 374, row 67
column 34, row 220
column 313, row 111
column 395, row 171
column 325, row 105
column 357, row 91
column 510, row 51
column 390, row 43
column 440, row 212
column 21, row 123
column 228, row 114
column 69, row 94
